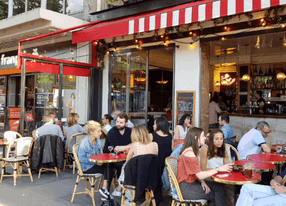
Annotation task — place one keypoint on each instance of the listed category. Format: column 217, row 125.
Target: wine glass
column 116, row 152
column 110, row 148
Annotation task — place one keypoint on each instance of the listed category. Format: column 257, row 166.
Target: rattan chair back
column 75, row 154
column 234, row 149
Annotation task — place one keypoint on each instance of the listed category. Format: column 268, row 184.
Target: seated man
column 119, row 137
column 227, row 131
column 255, row 194
column 253, row 141
column 49, row 128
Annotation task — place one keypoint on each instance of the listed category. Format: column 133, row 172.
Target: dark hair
column 215, row 97
column 162, row 124
column 123, row 116
column 182, row 120
column 191, row 141
column 109, row 117
column 259, row 93
column 211, row 148
column 224, row 117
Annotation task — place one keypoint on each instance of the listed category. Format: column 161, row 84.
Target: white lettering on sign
column 9, row 60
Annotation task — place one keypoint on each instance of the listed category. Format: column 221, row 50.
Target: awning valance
column 179, row 15
column 54, row 69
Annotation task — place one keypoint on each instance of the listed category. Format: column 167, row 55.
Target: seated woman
column 72, row 128
column 89, row 146
column 183, row 127
column 190, row 175
column 212, row 155
column 141, row 144
column 163, row 137
column 106, row 120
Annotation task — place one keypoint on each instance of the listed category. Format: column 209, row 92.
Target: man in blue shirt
column 255, row 194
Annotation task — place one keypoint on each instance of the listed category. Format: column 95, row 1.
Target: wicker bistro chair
column 76, row 138
column 172, row 168
column 230, row 147
column 90, row 178
column 22, row 151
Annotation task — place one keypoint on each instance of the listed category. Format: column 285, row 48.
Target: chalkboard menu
column 186, row 105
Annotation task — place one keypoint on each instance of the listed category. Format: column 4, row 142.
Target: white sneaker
column 116, row 193
column 104, row 193
column 127, row 202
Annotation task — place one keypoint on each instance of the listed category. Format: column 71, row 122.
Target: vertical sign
column 186, row 105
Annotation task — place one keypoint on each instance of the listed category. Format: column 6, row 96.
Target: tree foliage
column 19, row 6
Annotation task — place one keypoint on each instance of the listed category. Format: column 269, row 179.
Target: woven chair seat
column 96, row 175
column 201, row 201
column 13, row 159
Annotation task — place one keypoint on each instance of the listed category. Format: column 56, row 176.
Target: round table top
column 235, row 178
column 270, row 158
column 279, row 154
column 107, row 158
column 260, row 166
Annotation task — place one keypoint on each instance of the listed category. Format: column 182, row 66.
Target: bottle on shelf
column 255, row 71
column 260, row 72
column 274, row 72
column 269, row 72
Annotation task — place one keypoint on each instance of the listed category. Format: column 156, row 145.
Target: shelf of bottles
column 265, row 80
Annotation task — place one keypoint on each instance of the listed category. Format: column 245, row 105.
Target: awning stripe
column 179, row 15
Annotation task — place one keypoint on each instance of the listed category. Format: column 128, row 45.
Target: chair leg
column 86, row 185
column 92, row 183
column 15, row 172
column 29, row 170
column 123, row 195
column 173, row 203
column 134, row 195
column 56, row 169
column 39, row 173
column 152, row 198
column 65, row 162
column 75, row 187
column 73, row 167
column 99, row 183
column 3, row 169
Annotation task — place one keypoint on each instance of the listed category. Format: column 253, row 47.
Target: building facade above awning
column 179, row 15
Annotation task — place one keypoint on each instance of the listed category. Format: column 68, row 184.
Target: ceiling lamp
column 245, row 78
column 71, row 78
column 217, row 84
column 140, row 79
column 224, row 82
column 162, row 81
column 280, row 76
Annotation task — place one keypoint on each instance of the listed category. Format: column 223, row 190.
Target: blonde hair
column 72, row 119
column 92, row 126
column 47, row 118
column 140, row 134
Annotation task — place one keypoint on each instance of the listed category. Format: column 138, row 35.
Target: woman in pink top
column 190, row 175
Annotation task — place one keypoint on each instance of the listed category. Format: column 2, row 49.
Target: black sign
column 186, row 105
column 41, row 100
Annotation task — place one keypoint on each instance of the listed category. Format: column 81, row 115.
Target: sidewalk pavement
column 49, row 190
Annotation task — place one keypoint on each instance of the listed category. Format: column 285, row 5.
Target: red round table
column 260, row 166
column 270, row 158
column 235, row 178
column 107, row 158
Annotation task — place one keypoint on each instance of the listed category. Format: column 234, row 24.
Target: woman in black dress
column 163, row 137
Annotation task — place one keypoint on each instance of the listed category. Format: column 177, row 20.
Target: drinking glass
column 110, row 148
column 116, row 152
column 249, row 170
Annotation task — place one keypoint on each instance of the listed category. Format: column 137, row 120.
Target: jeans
column 259, row 195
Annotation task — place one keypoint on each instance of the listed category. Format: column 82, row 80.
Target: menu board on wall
column 42, row 99
column 186, row 105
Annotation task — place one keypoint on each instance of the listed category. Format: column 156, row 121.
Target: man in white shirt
column 253, row 141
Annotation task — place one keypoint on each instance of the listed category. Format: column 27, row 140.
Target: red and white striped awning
column 179, row 15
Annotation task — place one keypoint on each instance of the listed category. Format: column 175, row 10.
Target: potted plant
column 110, row 3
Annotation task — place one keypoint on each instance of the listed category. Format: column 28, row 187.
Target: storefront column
column 22, row 92
column 205, row 53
